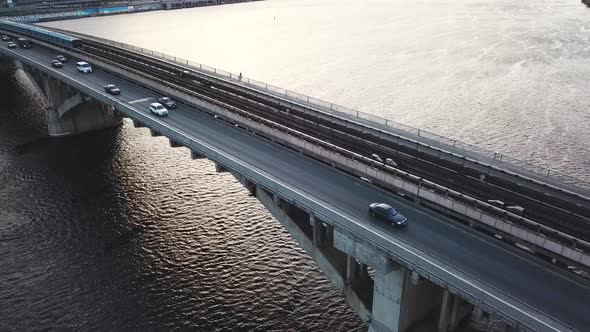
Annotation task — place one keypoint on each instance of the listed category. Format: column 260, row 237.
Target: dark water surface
column 115, row 230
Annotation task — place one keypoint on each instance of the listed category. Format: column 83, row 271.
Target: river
column 115, row 230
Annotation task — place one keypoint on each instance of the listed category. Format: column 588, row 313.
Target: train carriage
column 40, row 33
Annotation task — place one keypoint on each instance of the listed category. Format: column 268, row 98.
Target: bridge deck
column 527, row 279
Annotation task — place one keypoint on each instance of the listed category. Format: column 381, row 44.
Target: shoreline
column 35, row 14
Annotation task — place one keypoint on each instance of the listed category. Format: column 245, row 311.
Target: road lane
column 495, row 264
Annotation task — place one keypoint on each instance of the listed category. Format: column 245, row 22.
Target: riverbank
column 63, row 11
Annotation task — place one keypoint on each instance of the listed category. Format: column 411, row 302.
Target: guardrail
column 473, row 289
column 541, row 236
column 505, row 222
column 478, row 153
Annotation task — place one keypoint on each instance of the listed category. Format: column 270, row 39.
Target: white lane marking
column 140, row 100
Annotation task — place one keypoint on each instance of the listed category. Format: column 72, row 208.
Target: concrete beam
column 197, row 155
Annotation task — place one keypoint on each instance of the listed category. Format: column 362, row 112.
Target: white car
column 83, row 67
column 158, row 109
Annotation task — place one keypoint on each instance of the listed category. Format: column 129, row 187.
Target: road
column 517, row 274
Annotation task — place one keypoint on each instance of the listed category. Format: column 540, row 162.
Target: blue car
column 386, row 212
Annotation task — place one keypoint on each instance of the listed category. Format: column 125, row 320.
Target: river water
column 116, row 230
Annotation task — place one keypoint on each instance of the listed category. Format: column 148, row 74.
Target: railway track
column 548, row 210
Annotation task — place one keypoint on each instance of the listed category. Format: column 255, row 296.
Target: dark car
column 386, row 212
column 11, row 45
column 5, row 38
column 24, row 43
column 62, row 59
column 112, row 89
column 167, row 102
column 56, row 64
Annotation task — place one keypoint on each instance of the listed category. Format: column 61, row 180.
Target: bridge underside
column 68, row 111
column 385, row 295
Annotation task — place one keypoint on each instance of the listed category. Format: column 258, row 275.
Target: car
column 388, row 213
column 167, row 102
column 83, row 67
column 158, row 109
column 56, row 64
column 5, row 38
column 24, row 42
column 112, row 89
column 62, row 59
column 11, row 45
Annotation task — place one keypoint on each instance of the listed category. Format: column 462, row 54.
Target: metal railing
column 476, row 290
column 469, row 150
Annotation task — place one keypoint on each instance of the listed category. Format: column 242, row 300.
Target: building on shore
column 40, row 10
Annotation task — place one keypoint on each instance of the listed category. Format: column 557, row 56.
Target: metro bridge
column 316, row 167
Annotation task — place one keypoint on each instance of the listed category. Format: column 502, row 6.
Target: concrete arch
column 69, row 104
column 69, row 112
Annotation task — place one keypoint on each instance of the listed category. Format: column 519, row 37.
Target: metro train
column 40, row 33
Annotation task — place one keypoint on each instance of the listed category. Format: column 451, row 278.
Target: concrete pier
column 69, row 112
column 395, row 299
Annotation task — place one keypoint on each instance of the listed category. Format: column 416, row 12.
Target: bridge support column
column 7, row 66
column 400, row 297
column 219, row 168
column 196, row 155
column 137, row 124
column 175, row 144
column 460, row 310
column 155, row 133
column 69, row 112
column 478, row 314
column 322, row 233
column 332, row 262
column 445, row 311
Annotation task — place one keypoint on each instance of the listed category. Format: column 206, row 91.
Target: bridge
column 316, row 167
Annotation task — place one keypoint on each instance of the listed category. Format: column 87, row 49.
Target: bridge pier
column 69, row 112
column 7, row 66
column 219, row 168
column 400, row 297
column 453, row 311
column 196, row 155
column 175, row 144
column 333, row 263
column 395, row 299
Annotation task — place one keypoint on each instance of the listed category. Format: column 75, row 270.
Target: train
column 41, row 34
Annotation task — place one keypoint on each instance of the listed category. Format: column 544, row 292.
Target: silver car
column 158, row 109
